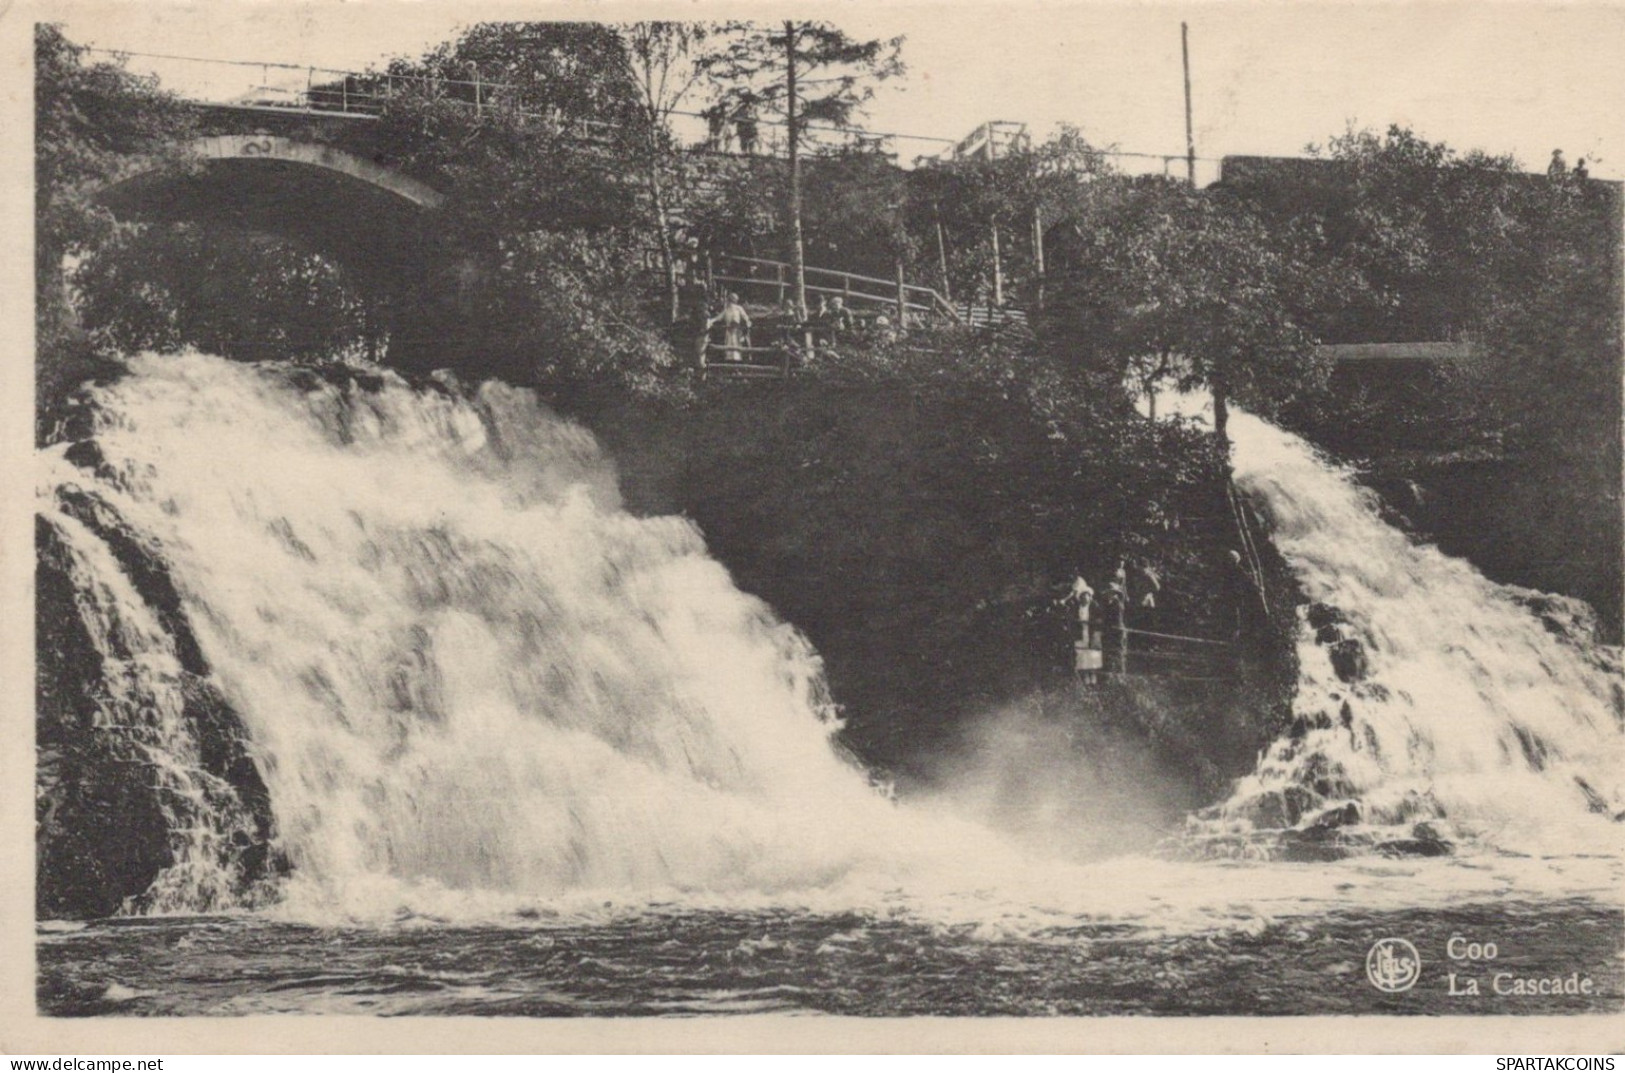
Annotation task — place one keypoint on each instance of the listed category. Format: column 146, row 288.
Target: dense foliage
column 90, row 120
column 916, row 501
column 919, row 507
column 233, row 293
column 1160, row 284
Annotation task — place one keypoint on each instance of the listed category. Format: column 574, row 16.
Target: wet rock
column 146, row 571
column 1534, row 749
column 1344, row 815
column 1322, row 616
column 1595, row 801
column 87, row 455
column 100, row 835
column 1333, row 633
column 1276, row 809
column 1348, row 660
column 1304, row 848
column 1414, row 847
column 1326, row 779
column 102, row 817
column 1568, row 617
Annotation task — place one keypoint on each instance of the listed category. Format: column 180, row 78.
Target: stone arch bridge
column 372, row 221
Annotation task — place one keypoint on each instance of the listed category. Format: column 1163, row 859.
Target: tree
column 667, row 64
column 92, row 120
column 808, row 72
column 1423, row 233
column 854, row 212
column 1404, row 239
column 229, row 292
column 1161, row 283
column 1019, row 189
column 498, row 120
column 571, row 70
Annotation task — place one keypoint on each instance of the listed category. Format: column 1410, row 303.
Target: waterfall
column 459, row 663
column 358, row 646
column 1426, row 691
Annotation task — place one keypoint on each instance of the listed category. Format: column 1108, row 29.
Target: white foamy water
column 477, row 687
column 1471, row 708
column 462, row 666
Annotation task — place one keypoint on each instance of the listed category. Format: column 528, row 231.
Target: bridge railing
column 305, row 88
column 289, row 87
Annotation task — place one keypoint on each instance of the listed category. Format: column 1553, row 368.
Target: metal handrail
column 887, row 300
column 1175, row 637
column 936, row 303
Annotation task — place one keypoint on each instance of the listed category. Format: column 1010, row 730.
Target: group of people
column 722, row 321
column 1559, row 167
column 1239, row 604
column 724, row 124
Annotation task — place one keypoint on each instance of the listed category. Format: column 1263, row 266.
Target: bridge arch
column 272, row 149
column 376, row 224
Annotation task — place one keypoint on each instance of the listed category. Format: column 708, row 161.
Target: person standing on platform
column 735, row 328
column 1085, row 659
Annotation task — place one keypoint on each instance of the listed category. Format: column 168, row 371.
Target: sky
column 1267, row 78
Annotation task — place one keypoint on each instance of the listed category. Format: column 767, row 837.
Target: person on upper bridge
column 735, row 328
column 749, row 133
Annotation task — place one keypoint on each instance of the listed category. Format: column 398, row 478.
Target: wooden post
column 902, row 297
column 1038, row 252
column 778, row 272
column 993, row 225
column 1190, row 137
column 1122, row 633
column 942, row 258
column 998, row 270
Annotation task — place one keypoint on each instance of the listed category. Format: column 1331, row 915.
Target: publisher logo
column 1393, row 965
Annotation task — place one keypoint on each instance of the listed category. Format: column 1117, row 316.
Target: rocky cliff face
column 144, row 781
column 922, row 539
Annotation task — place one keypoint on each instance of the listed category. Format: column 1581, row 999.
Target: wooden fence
column 769, row 282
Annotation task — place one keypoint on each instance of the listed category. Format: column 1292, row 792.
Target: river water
column 529, row 754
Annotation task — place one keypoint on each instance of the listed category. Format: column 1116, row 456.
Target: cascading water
column 1426, row 691
column 460, row 664
column 390, row 647
column 391, row 660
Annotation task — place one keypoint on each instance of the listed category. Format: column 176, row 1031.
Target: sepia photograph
column 691, row 514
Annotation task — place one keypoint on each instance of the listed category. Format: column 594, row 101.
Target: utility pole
column 798, row 255
column 1190, row 136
